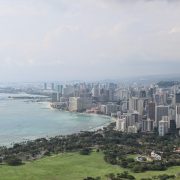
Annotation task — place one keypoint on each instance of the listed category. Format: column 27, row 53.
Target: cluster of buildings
column 151, row 108
column 136, row 108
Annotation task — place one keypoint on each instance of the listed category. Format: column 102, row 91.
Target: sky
column 88, row 39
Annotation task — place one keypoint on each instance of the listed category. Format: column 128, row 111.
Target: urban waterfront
column 23, row 120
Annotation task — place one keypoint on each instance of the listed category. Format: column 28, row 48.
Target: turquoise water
column 22, row 120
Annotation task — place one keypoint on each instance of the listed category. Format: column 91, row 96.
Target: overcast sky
column 88, row 39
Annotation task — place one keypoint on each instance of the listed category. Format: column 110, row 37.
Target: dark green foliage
column 91, row 178
column 125, row 175
column 164, row 177
column 47, row 153
column 13, row 161
column 85, row 151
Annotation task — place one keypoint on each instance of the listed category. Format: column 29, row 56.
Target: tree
column 110, row 176
column 91, row 178
column 85, row 151
column 13, row 161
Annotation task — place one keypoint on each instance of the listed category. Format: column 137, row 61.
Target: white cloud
column 57, row 33
column 174, row 30
column 102, row 36
column 20, row 9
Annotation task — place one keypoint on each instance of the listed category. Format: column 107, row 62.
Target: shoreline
column 34, row 138
column 99, row 127
column 94, row 127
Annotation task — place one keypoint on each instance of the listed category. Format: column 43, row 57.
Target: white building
column 103, row 109
column 133, row 104
column 163, row 127
column 121, row 124
column 150, row 125
column 132, row 129
column 155, row 156
column 79, row 103
column 95, row 91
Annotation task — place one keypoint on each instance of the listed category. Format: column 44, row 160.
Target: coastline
column 10, row 140
column 34, row 138
column 99, row 127
column 112, row 119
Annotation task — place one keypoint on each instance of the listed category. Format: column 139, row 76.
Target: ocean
column 22, row 120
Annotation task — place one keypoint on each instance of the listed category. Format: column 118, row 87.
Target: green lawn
column 69, row 166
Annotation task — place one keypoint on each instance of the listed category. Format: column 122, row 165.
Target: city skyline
column 57, row 40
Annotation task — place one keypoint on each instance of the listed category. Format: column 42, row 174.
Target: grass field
column 69, row 166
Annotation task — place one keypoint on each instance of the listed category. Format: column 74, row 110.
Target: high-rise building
column 45, row 86
column 68, row 91
column 150, row 125
column 141, row 106
column 172, row 113
column 144, row 125
column 54, row 97
column 151, row 110
column 122, row 94
column 133, row 104
column 135, row 116
column 59, row 88
column 178, row 116
column 142, row 94
column 121, row 124
column 111, row 108
column 150, row 93
column 111, row 94
column 95, row 91
column 157, row 99
column 160, row 111
column 52, row 86
column 132, row 129
column 163, row 127
column 124, row 106
column 130, row 119
column 79, row 104
column 103, row 109
column 177, row 98
column 59, row 92
column 172, row 128
column 147, row 125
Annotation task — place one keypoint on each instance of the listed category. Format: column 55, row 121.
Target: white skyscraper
column 163, row 127
column 133, row 104
column 121, row 124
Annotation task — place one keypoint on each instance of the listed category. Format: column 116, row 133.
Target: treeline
column 126, row 176
column 111, row 176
